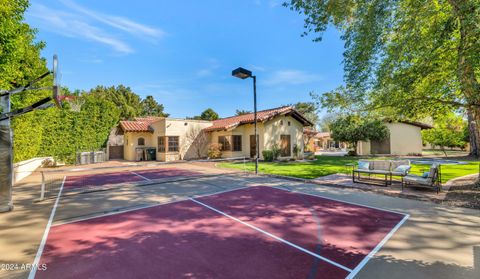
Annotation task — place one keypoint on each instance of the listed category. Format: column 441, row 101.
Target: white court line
column 36, row 261
column 338, row 200
column 378, row 247
column 139, row 175
column 274, row 236
column 144, row 207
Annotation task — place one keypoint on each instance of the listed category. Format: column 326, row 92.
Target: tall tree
column 448, row 131
column 127, row 101
column 208, row 114
column 352, row 129
column 309, row 110
column 325, row 122
column 405, row 58
column 150, row 107
column 20, row 60
column 239, row 112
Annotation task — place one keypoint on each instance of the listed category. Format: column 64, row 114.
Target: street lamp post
column 243, row 74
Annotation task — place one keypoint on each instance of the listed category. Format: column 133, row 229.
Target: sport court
column 240, row 230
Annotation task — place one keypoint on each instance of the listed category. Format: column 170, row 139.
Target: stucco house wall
column 278, row 126
column 187, row 131
column 161, row 128
column 405, row 139
column 272, row 124
column 131, row 144
column 245, row 131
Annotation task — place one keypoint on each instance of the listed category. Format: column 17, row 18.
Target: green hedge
column 60, row 132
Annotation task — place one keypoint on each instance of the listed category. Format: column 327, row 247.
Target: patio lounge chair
column 428, row 180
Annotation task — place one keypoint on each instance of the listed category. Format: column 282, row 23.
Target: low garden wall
column 25, row 168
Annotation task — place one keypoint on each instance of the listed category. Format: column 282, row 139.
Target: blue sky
column 183, row 52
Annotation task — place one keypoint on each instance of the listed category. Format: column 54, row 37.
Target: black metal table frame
column 388, row 178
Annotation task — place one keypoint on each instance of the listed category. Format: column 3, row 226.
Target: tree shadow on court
column 386, row 266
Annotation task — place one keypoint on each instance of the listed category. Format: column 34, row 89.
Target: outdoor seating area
column 368, row 171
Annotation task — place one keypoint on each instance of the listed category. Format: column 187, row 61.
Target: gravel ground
column 464, row 193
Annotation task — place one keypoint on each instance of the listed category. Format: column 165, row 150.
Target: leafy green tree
column 325, row 121
column 127, row 101
column 309, row 110
column 20, row 63
column 449, row 132
column 20, row 60
column 404, row 58
column 150, row 107
column 239, row 112
column 208, row 114
column 352, row 129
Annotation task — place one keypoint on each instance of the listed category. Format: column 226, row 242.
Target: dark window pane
column 225, row 143
column 161, row 144
column 237, row 143
column 141, row 141
column 173, row 144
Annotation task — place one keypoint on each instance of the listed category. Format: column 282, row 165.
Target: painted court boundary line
column 273, row 236
column 115, row 212
column 141, row 176
column 36, row 261
column 377, row 248
column 370, row 255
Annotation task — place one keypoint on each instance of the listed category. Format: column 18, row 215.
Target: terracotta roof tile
column 263, row 115
column 140, row 124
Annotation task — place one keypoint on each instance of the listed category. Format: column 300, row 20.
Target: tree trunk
column 466, row 12
column 474, row 134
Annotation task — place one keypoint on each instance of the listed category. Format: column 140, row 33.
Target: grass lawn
column 325, row 165
column 450, row 153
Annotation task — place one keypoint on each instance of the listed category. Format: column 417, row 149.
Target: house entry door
column 253, row 146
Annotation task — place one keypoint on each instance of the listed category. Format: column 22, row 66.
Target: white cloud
column 70, row 25
column 292, row 77
column 121, row 23
column 80, row 22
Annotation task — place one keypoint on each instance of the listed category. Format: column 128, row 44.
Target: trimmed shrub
column 268, row 155
column 276, row 151
column 214, row 151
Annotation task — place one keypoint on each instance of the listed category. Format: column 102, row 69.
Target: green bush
column 276, row 151
column 296, row 151
column 268, row 155
column 214, row 151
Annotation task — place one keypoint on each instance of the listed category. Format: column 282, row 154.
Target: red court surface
column 102, row 179
column 341, row 232
column 166, row 173
column 258, row 232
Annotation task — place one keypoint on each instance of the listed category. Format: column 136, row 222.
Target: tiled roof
column 264, row 115
column 140, row 124
column 316, row 134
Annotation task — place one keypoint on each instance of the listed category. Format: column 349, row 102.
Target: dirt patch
column 463, row 192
